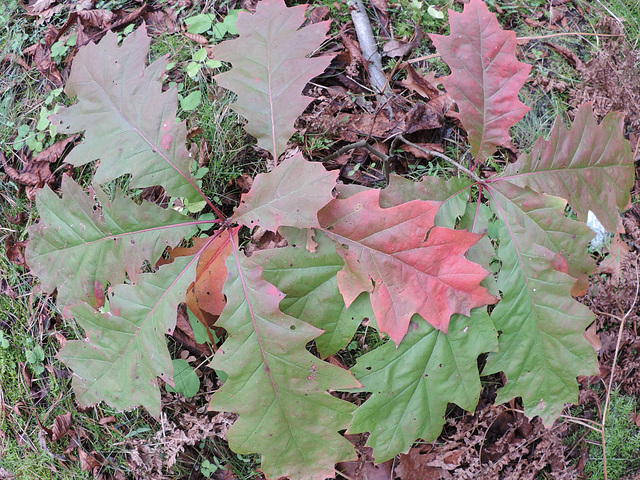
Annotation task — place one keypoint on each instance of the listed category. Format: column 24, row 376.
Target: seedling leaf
column 542, row 348
column 413, row 384
column 126, row 349
column 129, row 123
column 290, row 195
column 78, row 246
column 276, row 386
column 308, row 279
column 270, row 69
column 407, row 264
column 591, row 166
column 485, row 76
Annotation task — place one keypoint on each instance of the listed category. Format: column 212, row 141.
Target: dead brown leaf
column 364, row 468
column 397, row 48
column 436, row 147
column 55, row 151
column 34, row 174
column 618, row 250
column 46, row 66
column 6, row 289
column 90, row 461
column 421, row 464
column 424, row 86
column 591, row 334
column 183, row 333
column 318, row 14
column 100, row 18
column 15, row 251
column 61, row 426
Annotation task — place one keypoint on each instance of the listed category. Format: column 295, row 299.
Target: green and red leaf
column 407, row 264
column 290, row 195
column 276, row 386
column 125, row 350
column 80, row 247
column 591, row 166
column 129, row 123
column 486, row 76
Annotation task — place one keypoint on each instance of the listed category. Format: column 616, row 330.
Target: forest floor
column 581, row 51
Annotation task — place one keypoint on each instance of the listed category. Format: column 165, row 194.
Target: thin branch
column 443, row 157
column 369, row 47
column 352, row 146
column 613, row 368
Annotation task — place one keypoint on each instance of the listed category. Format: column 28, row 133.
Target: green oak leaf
column 413, row 384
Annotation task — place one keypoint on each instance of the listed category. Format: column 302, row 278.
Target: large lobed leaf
column 129, row 124
column 270, row 69
column 276, row 386
column 485, row 76
column 542, row 348
column 78, row 246
column 407, row 264
column 591, row 166
column 413, row 384
column 308, row 279
column 125, row 350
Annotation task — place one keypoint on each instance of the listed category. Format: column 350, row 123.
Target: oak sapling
column 413, row 258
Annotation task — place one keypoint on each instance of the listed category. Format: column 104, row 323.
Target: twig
column 369, row 47
column 351, row 146
column 613, row 368
column 444, row 157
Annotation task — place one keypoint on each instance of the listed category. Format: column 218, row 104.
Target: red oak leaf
column 485, row 76
column 407, row 264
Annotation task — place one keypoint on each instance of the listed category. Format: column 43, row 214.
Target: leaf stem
column 443, row 157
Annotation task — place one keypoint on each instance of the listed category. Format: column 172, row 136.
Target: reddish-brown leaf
column 211, row 274
column 270, row 69
column 407, row 264
column 485, row 76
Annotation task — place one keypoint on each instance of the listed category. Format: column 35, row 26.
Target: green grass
column 622, row 441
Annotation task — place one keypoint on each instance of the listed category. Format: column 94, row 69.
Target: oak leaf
column 125, row 350
column 542, row 348
column 270, row 69
column 308, row 279
column 591, row 166
column 290, row 195
column 413, row 384
column 485, row 76
column 408, row 265
column 129, row 123
column 79, row 247
column 276, row 386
